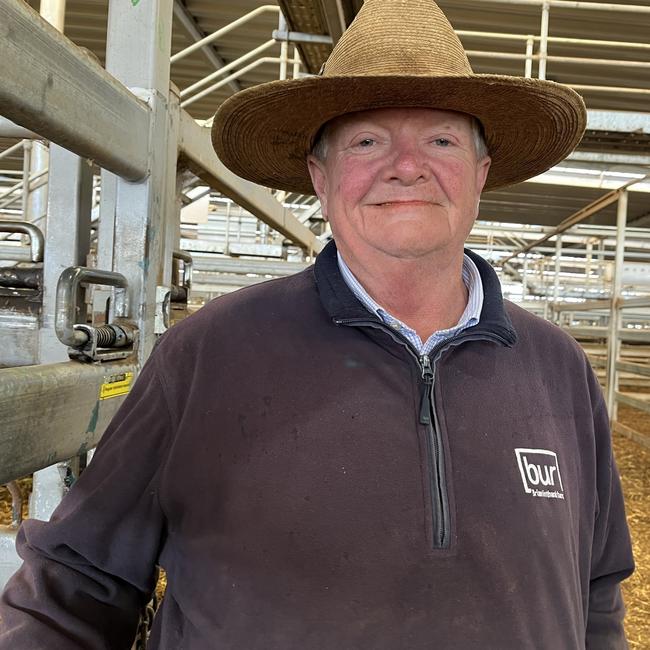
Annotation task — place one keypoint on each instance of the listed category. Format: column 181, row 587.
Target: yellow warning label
column 116, row 385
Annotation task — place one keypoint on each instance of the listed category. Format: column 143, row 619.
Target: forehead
column 392, row 117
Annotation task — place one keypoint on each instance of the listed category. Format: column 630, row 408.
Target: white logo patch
column 540, row 473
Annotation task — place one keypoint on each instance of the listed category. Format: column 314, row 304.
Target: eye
column 365, row 143
column 442, row 142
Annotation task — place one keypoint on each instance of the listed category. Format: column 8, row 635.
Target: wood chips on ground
column 634, row 466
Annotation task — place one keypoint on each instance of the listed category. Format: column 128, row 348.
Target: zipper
column 437, row 482
column 428, row 417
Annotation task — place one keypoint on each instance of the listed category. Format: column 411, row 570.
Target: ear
column 319, row 181
column 482, row 169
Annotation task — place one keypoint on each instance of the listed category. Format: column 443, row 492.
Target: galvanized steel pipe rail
column 52, row 87
column 569, row 4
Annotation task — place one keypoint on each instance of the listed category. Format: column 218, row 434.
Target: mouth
column 410, row 202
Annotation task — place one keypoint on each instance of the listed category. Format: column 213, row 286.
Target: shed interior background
column 83, row 186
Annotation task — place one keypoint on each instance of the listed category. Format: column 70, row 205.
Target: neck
column 428, row 294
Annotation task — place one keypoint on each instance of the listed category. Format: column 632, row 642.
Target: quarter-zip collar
column 342, row 305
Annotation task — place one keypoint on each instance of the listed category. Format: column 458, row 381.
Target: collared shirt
column 470, row 317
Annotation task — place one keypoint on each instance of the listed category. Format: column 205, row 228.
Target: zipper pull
column 427, row 378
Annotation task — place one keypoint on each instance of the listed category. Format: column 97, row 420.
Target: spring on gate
column 108, row 336
column 105, row 336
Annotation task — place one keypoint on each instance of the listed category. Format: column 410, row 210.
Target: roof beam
column 335, row 18
column 197, row 154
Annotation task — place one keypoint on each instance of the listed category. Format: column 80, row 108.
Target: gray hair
column 319, row 149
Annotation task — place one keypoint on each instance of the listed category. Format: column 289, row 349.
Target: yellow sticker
column 116, row 385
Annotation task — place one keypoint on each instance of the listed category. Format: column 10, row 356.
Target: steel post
column 524, row 278
column 530, row 44
column 613, row 341
column 284, row 48
column 27, row 163
column 558, row 258
column 137, row 214
column 67, row 237
column 543, row 40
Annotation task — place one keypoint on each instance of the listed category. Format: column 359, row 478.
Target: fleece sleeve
column 612, row 559
column 89, row 571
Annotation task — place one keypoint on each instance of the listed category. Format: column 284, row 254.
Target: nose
column 408, row 165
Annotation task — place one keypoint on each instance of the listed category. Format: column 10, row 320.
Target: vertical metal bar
column 54, row 12
column 543, row 283
column 47, row 485
column 530, row 44
column 613, row 343
column 67, row 240
column 137, row 215
column 543, row 43
column 228, row 208
column 524, row 278
column 558, row 257
column 589, row 258
column 284, row 48
column 296, row 62
column 27, row 161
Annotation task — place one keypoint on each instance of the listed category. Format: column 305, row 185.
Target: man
column 383, row 455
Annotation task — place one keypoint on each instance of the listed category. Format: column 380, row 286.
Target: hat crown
column 398, row 37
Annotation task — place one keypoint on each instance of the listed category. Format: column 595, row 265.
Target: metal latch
column 176, row 297
column 115, row 340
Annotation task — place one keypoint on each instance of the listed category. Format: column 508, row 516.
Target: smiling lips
column 409, row 202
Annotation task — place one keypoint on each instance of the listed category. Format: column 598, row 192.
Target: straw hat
column 396, row 53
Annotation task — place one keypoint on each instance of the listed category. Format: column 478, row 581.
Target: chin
column 413, row 248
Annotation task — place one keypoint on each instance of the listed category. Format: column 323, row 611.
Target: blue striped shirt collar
column 469, row 318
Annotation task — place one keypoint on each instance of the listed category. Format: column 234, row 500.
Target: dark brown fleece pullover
column 309, row 483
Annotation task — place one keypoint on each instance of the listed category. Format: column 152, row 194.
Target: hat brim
column 265, row 133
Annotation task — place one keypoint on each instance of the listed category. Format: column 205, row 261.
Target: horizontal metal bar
column 301, row 37
column 634, row 401
column 197, row 154
column 513, row 56
column 52, row 412
column 570, row 4
column 588, row 305
column 55, row 89
column 619, row 121
column 631, row 303
column 610, row 89
column 635, row 368
column 553, row 39
column 212, row 264
column 597, row 332
column 638, row 437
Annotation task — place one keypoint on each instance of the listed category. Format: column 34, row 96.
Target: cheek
column 353, row 182
column 458, row 180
